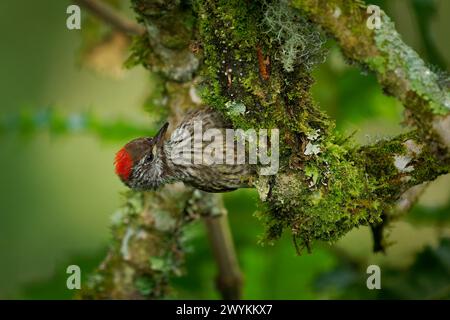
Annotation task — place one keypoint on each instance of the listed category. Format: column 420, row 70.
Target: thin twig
column 407, row 200
column 211, row 208
column 109, row 15
column 229, row 280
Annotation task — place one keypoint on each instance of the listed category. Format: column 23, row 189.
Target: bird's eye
column 149, row 157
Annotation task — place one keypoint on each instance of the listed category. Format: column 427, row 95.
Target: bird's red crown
column 123, row 164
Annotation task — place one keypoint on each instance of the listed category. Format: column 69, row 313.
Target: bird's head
column 140, row 164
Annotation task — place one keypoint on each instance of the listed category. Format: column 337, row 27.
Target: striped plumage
column 157, row 161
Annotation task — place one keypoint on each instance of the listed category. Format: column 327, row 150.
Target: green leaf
column 158, row 264
column 144, row 285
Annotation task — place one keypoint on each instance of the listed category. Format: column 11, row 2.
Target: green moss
column 378, row 163
column 377, row 63
column 342, row 188
column 140, row 50
column 237, row 48
column 433, row 163
column 389, row 180
column 318, row 195
column 333, row 197
column 145, row 285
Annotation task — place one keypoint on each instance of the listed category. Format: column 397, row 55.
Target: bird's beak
column 159, row 138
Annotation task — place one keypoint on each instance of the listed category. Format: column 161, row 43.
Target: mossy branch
column 110, row 16
column 149, row 243
column 423, row 90
column 147, row 247
column 149, row 231
column 400, row 71
column 320, row 195
column 259, row 56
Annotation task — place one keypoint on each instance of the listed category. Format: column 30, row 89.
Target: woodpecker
column 147, row 163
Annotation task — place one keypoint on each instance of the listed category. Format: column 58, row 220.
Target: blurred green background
column 67, row 106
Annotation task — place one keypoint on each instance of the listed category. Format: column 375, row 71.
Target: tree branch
column 212, row 210
column 148, row 245
column 106, row 13
column 323, row 195
column 402, row 74
column 261, row 55
column 399, row 69
column 229, row 281
column 407, row 200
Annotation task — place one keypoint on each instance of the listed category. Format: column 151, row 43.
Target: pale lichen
column 406, row 63
column 125, row 241
column 234, row 108
column 311, row 149
column 403, row 163
column 300, row 42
